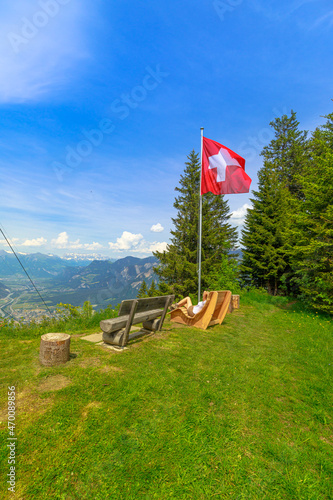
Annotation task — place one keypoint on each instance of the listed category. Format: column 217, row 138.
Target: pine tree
column 164, row 288
column 152, row 292
column 143, row 290
column 312, row 253
column 266, row 235
column 178, row 265
column 265, row 250
column 287, row 151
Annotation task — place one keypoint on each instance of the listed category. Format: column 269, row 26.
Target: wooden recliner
column 212, row 313
column 221, row 308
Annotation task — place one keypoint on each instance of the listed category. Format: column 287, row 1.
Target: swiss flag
column 223, row 171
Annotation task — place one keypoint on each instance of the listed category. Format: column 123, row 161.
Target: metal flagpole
column 200, row 223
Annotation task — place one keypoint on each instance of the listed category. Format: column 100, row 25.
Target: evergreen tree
column 178, row 265
column 164, row 288
column 312, row 253
column 265, row 249
column 143, row 290
column 287, row 152
column 152, row 292
column 226, row 277
column 266, row 235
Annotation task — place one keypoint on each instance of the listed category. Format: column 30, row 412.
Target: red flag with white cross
column 223, row 170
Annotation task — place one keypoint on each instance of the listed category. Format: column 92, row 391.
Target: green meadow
column 240, row 411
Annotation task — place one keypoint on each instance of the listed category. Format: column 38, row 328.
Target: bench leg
column 129, row 323
column 114, row 338
column 161, row 321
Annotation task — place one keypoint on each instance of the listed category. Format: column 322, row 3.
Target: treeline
column 288, row 234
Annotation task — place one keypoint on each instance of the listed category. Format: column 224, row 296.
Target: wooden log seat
column 54, row 349
column 234, row 303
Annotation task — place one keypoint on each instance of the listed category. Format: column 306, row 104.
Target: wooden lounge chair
column 212, row 313
column 221, row 308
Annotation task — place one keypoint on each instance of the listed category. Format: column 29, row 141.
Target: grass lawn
column 240, row 411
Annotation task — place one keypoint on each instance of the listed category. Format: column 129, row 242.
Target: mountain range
column 107, row 274
column 102, row 282
column 38, row 264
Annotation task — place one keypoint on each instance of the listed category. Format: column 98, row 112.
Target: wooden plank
column 117, row 338
column 114, row 324
column 221, row 309
column 167, row 304
column 139, row 333
column 145, row 304
column 129, row 323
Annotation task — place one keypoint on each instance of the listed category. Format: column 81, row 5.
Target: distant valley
column 73, row 281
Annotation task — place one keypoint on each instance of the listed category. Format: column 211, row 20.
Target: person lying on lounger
column 187, row 302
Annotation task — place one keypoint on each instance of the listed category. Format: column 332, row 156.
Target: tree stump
column 234, row 303
column 54, row 349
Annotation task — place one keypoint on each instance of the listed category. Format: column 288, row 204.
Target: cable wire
column 10, row 316
column 33, row 284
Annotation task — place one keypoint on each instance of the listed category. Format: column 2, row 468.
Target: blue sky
column 101, row 102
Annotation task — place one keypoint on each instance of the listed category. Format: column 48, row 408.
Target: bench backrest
column 146, row 304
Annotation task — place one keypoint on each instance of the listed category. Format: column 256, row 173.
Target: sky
column 101, row 102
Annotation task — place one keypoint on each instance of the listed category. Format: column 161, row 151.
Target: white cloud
column 146, row 247
column 62, row 241
column 136, row 244
column 36, row 242
column 238, row 216
column 157, row 228
column 92, row 246
column 127, row 241
column 158, row 246
column 13, row 240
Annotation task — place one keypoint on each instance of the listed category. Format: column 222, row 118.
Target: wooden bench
column 213, row 312
column 150, row 312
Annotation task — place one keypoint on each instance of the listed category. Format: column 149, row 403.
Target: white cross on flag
column 223, row 170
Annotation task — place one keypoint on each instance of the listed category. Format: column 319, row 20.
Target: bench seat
column 114, row 324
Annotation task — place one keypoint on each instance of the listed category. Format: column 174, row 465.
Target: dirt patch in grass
column 89, row 406
column 54, row 383
column 28, row 406
column 80, row 423
column 87, row 362
column 29, row 402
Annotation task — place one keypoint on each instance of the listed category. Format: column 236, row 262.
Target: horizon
column 101, row 104
column 73, row 256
